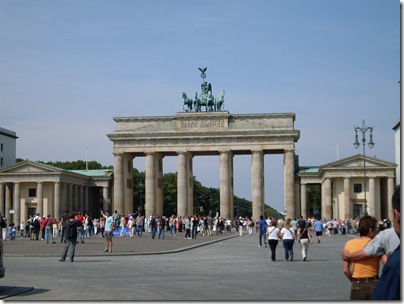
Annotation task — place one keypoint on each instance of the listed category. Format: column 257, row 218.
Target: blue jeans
column 139, row 230
column 153, row 231
column 288, row 245
column 80, row 234
column 194, row 232
column 49, row 231
column 263, row 236
column 160, row 232
column 68, row 242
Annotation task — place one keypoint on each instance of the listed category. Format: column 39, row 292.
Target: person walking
column 123, row 226
column 187, row 227
column 318, row 227
column 289, row 238
column 139, row 224
column 304, row 238
column 363, row 274
column 49, row 229
column 71, row 237
column 108, row 234
column 262, row 230
column 273, row 238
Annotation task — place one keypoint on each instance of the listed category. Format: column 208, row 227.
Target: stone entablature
column 210, row 132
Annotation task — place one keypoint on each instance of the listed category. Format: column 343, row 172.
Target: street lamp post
column 363, row 129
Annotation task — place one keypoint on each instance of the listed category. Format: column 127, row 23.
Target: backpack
column 36, row 223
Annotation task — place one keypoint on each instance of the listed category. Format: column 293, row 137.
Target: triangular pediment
column 28, row 166
column 356, row 161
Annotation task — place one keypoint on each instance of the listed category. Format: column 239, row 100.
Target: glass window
column 32, row 192
column 357, row 188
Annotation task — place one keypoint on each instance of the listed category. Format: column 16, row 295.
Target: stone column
column 303, row 201
column 70, row 197
column 159, row 183
column 56, row 201
column 86, row 201
column 2, row 202
column 7, row 214
column 39, row 195
column 16, row 207
column 182, row 185
column 390, row 192
column 63, row 198
column 150, row 194
column 326, row 199
column 80, row 193
column 224, row 185
column 190, row 183
column 76, row 198
column 257, row 184
column 231, row 185
column 118, row 184
column 105, row 198
column 347, row 199
column 371, row 200
column 127, row 182
column 289, row 178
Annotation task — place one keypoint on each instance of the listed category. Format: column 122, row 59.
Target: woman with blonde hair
column 289, row 238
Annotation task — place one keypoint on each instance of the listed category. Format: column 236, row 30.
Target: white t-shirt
column 273, row 233
column 287, row 234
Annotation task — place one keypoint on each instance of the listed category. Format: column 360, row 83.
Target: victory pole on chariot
column 206, row 98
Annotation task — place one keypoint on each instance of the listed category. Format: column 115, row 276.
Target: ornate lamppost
column 363, row 129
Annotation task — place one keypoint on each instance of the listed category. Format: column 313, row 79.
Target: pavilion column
column 372, row 198
column 182, row 185
column 2, row 198
column 80, row 191
column 105, row 195
column 69, row 188
column 390, row 192
column 225, row 184
column 257, row 184
column 16, row 204
column 303, row 201
column 86, row 200
column 39, row 195
column 118, row 184
column 289, row 178
column 76, row 197
column 150, row 184
column 7, row 214
column 347, row 198
column 56, row 201
column 159, row 183
column 326, row 199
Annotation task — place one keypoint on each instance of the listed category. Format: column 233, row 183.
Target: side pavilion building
column 28, row 187
column 342, row 187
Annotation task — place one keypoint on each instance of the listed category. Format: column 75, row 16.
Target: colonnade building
column 29, row 187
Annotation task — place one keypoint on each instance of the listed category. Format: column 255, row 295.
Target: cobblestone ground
column 230, row 269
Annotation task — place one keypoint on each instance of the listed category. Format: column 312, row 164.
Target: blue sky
column 68, row 67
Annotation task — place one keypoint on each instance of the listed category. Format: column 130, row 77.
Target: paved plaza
column 217, row 268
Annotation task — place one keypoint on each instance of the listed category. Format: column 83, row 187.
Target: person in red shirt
column 80, row 230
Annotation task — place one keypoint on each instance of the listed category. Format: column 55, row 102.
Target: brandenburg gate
column 189, row 134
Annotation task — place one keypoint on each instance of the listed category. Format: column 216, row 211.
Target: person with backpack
column 71, row 237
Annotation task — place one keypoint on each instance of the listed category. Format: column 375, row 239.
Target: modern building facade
column 8, row 146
